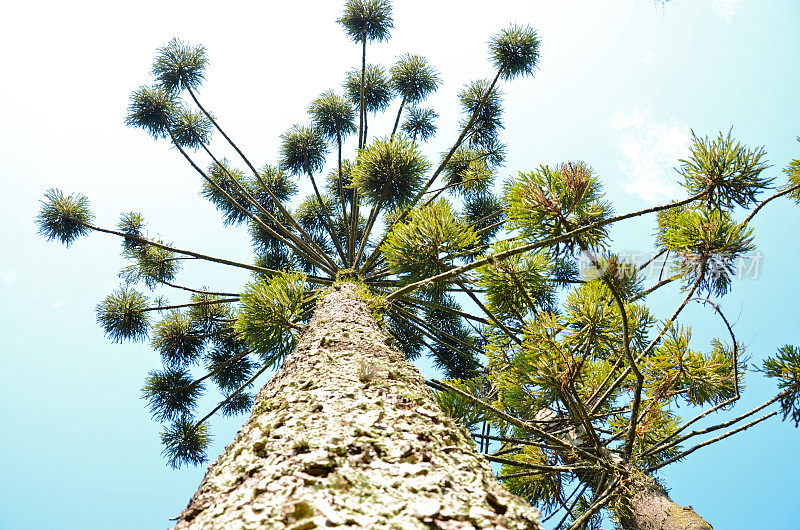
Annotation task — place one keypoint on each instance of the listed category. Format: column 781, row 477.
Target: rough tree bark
column 347, row 434
column 650, row 508
column 647, row 506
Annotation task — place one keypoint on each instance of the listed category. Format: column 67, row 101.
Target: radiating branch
column 667, row 326
column 326, row 219
column 538, row 244
column 767, row 201
column 192, row 304
column 238, row 390
column 538, row 467
column 196, row 291
column 671, row 441
column 525, row 425
column 439, row 169
column 221, row 261
column 655, row 287
column 304, row 248
column 488, row 313
column 215, row 371
column 284, row 212
column 416, row 302
column 686, row 453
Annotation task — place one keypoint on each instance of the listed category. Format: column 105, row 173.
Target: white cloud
column 8, row 276
column 59, row 303
column 649, row 151
column 726, row 8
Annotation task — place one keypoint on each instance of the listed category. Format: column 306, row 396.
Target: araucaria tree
column 553, row 362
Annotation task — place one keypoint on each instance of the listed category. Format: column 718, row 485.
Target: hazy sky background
column 621, row 84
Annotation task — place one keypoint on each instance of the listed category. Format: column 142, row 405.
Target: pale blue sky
column 620, row 85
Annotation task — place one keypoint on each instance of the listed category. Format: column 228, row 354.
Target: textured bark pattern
column 347, row 434
column 652, row 509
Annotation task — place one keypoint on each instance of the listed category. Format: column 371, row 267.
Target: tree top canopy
column 552, row 351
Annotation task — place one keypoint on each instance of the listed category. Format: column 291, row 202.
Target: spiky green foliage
column 149, row 264
column 452, row 357
column 727, row 169
column 225, row 191
column 455, row 347
column 420, row 123
column 425, row 245
column 191, row 129
column 334, row 182
column 488, row 122
column 408, row 339
column 185, row 443
column 413, row 78
column 484, row 213
column 369, row 20
column 229, row 363
column 657, row 424
column 208, row 315
column 177, row 339
column 390, row 172
column 303, row 150
column 63, row 217
column 273, row 253
column 278, row 183
column 468, row 171
column 171, row 393
column 377, row 88
column 552, row 202
column 275, row 257
column 131, row 224
column 541, row 489
column 311, row 214
column 515, row 51
column 237, row 404
column 785, row 367
column 569, row 364
column 268, row 309
column 709, row 243
column 152, row 109
column 323, row 242
column 519, row 285
column 622, row 276
column 541, row 370
column 565, row 271
column 123, row 316
column 564, row 356
column 792, row 172
column 179, row 66
column 677, row 369
column 333, row 115
column 460, row 408
column 592, row 315
column 240, row 197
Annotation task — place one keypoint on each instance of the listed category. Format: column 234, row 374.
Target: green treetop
column 551, row 355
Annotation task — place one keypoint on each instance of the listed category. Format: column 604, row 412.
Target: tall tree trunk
column 347, row 434
column 650, row 508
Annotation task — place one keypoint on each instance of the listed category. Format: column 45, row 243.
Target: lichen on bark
column 347, row 434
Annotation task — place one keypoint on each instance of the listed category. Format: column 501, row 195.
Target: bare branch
column 711, row 441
